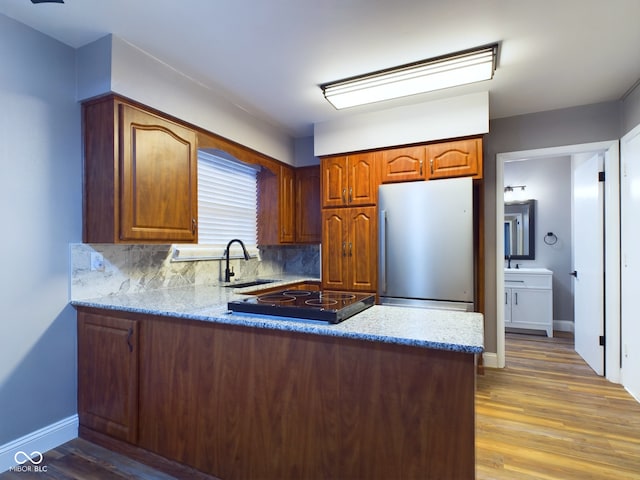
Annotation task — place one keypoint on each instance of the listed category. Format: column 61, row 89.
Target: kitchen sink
column 251, row 283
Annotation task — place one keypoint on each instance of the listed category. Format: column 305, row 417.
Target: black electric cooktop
column 332, row 307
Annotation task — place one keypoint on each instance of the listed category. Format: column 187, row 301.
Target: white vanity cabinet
column 528, row 299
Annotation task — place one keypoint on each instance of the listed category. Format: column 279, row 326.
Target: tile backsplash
column 138, row 268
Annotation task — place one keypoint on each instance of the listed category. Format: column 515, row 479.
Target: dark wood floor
column 82, row 460
column 545, row 416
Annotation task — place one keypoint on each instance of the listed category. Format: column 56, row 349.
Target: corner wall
column 40, row 191
column 571, row 126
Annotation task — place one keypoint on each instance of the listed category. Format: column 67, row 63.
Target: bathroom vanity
column 528, row 299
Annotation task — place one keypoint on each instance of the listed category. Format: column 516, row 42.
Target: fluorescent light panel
column 420, row 77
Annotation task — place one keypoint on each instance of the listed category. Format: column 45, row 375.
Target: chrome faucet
column 230, row 273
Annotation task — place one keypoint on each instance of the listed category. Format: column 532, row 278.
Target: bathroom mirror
column 519, row 230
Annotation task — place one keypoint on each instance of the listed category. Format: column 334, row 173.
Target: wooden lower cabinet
column 108, row 374
column 349, row 249
column 240, row 402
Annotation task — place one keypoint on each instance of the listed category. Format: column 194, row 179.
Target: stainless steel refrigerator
column 426, row 244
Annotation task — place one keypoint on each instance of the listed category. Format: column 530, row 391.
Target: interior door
column 630, row 329
column 588, row 259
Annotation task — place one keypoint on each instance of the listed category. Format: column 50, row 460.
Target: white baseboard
column 564, row 326
column 490, row 360
column 36, row 442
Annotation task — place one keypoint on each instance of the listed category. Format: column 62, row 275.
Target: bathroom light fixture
column 511, row 188
column 451, row 70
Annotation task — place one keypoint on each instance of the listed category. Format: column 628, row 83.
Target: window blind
column 227, row 208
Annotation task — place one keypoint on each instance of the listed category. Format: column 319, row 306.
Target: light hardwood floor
column 547, row 415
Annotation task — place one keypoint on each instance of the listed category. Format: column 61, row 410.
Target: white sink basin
column 527, row 270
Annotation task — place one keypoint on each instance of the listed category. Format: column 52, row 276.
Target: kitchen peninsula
column 388, row 393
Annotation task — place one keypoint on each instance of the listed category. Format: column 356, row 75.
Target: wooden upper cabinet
column 461, row 158
column 403, row 164
column 363, row 179
column 287, row 205
column 334, row 181
column 159, row 159
column 458, row 158
column 108, row 375
column 307, row 209
column 349, row 180
column 140, row 170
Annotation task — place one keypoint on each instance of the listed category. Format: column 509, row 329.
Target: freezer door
column 426, row 240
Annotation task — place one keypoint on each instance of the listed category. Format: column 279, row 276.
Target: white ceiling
column 269, row 56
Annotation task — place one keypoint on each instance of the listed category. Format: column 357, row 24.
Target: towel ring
column 550, row 238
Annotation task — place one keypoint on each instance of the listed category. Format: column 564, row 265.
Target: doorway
column 612, row 241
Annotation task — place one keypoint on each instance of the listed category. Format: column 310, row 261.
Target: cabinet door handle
column 194, row 225
column 129, row 335
column 344, row 195
column 350, row 249
column 421, row 162
column 506, row 300
column 350, row 194
column 344, row 249
column 431, row 165
column 516, row 294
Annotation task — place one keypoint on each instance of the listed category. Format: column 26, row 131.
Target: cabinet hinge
column 602, row 340
column 601, row 176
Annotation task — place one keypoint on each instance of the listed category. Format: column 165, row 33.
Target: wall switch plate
column 97, row 262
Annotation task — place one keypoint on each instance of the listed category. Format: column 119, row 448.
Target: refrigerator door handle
column 383, row 251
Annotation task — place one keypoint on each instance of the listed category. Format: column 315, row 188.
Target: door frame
column 612, row 244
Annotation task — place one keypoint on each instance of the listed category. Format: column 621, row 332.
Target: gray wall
column 548, row 181
column 133, row 73
column 40, row 194
column 571, row 126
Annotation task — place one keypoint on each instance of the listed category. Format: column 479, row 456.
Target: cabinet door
column 287, row 205
column 169, row 383
column 362, row 249
column 108, row 375
column 403, row 164
column 158, row 198
column 362, row 185
column 530, row 306
column 334, row 249
column 334, row 181
column 461, row 158
column 308, row 217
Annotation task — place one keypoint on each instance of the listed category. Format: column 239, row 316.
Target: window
column 227, row 207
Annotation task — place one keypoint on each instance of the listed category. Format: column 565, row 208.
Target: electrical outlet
column 97, row 262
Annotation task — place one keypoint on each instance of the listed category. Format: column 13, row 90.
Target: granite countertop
column 427, row 328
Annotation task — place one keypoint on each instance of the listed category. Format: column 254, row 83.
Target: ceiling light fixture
column 451, row 70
